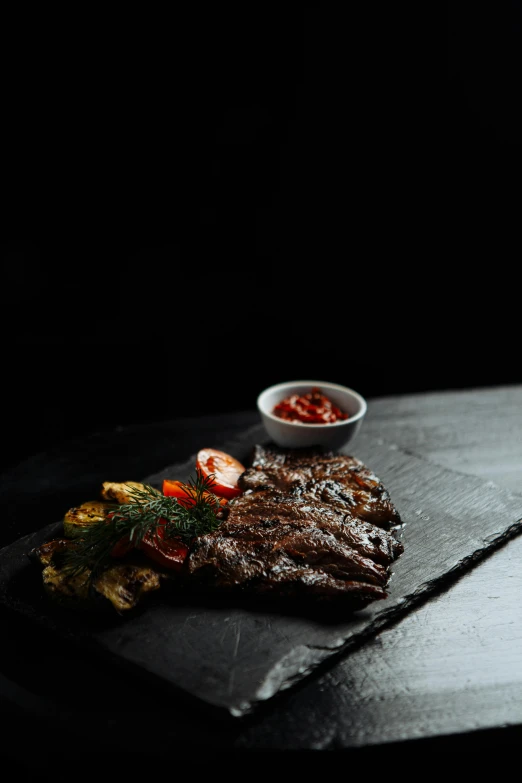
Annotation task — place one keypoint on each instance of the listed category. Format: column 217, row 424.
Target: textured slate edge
column 275, row 684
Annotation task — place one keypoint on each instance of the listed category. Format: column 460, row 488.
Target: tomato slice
column 179, row 490
column 168, row 552
column 223, row 468
column 122, row 547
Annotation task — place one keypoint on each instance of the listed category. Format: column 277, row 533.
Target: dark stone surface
column 233, row 657
column 444, row 680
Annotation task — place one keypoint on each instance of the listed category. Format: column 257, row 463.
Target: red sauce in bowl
column 311, row 408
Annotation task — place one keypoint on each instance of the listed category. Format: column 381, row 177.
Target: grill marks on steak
column 269, row 512
column 335, row 479
column 294, row 532
column 287, row 564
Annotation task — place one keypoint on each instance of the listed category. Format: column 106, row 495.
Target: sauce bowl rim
column 322, row 385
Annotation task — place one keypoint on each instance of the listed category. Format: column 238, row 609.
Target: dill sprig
column 148, row 512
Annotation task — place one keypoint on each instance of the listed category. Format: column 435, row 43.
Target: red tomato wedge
column 168, row 552
column 179, row 490
column 122, row 548
column 223, row 468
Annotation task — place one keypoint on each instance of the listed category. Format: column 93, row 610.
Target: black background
column 195, row 207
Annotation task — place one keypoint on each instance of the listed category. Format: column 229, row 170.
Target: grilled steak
column 301, row 528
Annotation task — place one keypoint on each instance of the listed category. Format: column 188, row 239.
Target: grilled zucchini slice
column 80, row 517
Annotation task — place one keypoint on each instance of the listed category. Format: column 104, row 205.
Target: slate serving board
column 230, row 657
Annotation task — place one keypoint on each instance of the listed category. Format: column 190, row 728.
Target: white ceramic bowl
column 296, row 434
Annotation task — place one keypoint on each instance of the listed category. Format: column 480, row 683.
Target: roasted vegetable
column 160, row 526
column 81, row 517
column 122, row 584
column 120, row 492
column 127, row 543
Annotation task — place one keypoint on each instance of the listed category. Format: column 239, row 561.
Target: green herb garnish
column 148, row 512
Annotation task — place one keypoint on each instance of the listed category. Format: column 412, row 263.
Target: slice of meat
column 237, row 559
column 335, row 479
column 258, row 512
column 287, row 565
column 296, row 583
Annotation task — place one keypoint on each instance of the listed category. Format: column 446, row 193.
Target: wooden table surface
column 448, row 674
